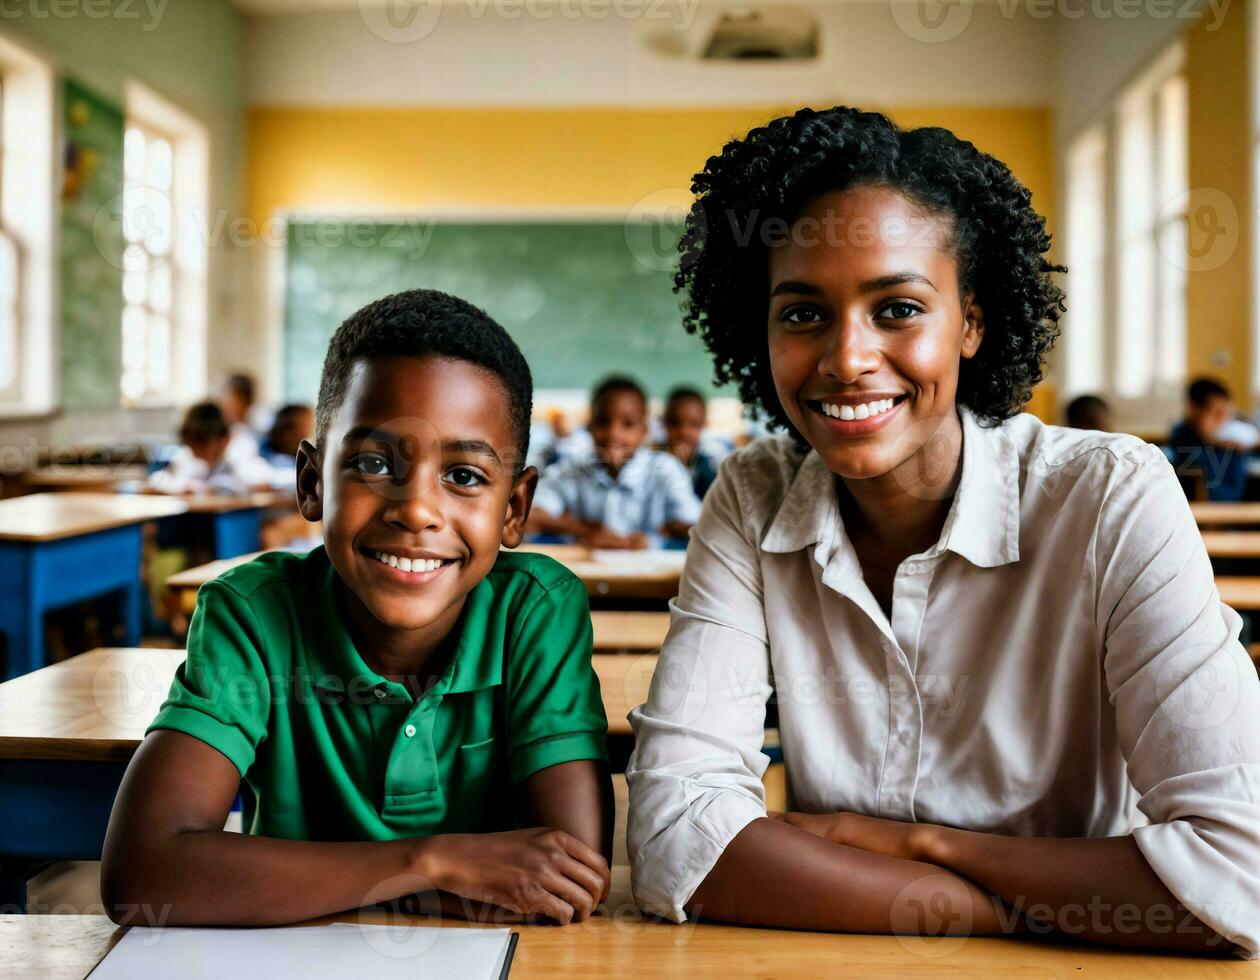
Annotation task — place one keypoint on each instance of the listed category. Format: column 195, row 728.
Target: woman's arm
column 168, row 860
column 1101, row 889
column 778, row 875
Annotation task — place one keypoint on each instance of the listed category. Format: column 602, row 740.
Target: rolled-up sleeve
column 695, row 775
column 1187, row 701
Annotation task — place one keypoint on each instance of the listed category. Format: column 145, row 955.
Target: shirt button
column 912, row 569
column 904, row 738
column 379, row 693
column 409, row 730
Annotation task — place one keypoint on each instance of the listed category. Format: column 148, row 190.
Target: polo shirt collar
column 476, row 663
column 982, row 525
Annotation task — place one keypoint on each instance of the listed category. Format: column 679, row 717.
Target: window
column 1125, row 334
column 27, row 212
column 148, row 277
column 165, row 300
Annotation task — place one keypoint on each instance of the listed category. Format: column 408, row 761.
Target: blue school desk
column 235, row 523
column 67, row 732
column 60, row 548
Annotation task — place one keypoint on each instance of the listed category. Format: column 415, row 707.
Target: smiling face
column 618, row 427
column 684, row 424
column 415, row 489
column 867, row 329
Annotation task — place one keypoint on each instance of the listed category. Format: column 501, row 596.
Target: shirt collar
column 476, row 663
column 631, row 476
column 982, row 525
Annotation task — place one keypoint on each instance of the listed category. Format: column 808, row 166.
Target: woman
column 1009, row 697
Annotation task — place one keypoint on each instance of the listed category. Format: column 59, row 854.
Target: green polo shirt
column 330, row 750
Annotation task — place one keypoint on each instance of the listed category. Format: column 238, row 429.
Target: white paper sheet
column 307, row 953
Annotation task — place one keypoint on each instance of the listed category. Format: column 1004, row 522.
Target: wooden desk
column 623, row 685
column 602, row 579
column 184, row 585
column 1208, row 514
column 235, row 523
column 83, row 478
column 1240, row 592
column 59, row 548
column 1232, row 544
column 620, row 575
column 622, row 943
column 67, row 732
column 629, row 632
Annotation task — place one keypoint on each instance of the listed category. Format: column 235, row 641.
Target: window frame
column 1162, row 204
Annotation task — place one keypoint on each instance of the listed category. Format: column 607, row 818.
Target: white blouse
column 1058, row 664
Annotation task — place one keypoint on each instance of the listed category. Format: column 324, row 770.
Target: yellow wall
column 400, row 160
column 417, row 158
column 1218, row 303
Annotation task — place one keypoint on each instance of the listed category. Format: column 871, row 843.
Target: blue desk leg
column 51, row 810
column 36, row 577
column 20, row 621
column 237, row 532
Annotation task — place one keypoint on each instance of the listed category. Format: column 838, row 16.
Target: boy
column 624, row 496
column 1090, row 412
column 1200, row 444
column 202, row 463
column 400, row 701
column 685, row 416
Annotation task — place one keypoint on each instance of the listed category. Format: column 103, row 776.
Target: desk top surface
column 53, row 516
column 1216, row 514
column 1241, row 592
column 622, row 943
column 94, row 706
column 97, row 705
column 1232, row 544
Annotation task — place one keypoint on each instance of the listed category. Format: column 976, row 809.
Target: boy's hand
column 537, row 871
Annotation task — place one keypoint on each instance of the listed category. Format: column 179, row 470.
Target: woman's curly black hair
column 769, row 176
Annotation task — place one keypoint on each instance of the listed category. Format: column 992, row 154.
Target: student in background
column 201, row 464
column 684, row 419
column 291, row 425
column 1090, row 412
column 1199, row 442
column 412, row 709
column 625, row 496
column 237, row 402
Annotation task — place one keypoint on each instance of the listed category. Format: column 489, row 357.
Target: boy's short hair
column 426, row 323
column 1085, row 410
column 1202, row 390
column 681, row 394
column 615, row 383
column 203, row 423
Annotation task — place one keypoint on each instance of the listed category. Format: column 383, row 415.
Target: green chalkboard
column 582, row 299
column 91, row 251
